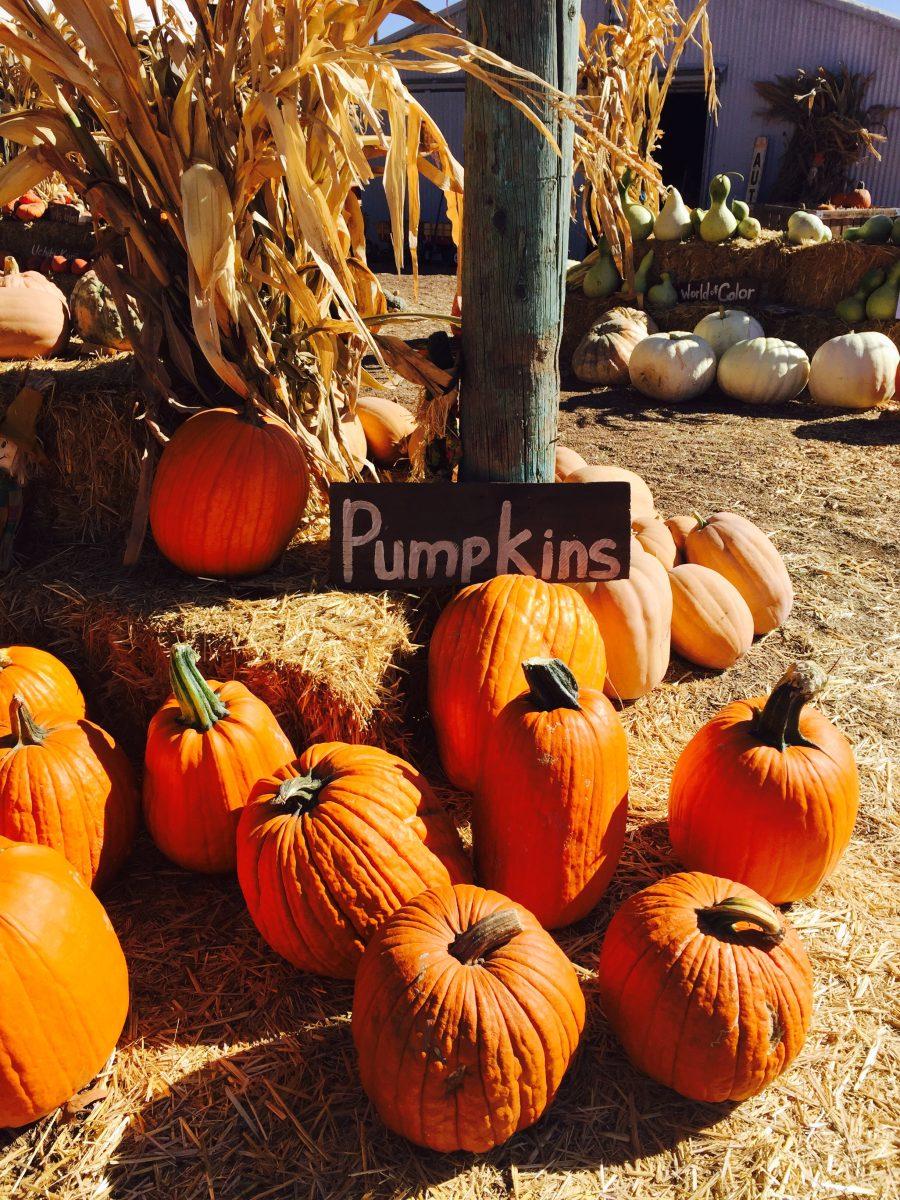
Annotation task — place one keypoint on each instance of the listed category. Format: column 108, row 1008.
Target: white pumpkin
column 727, row 327
column 806, row 229
column 672, row 366
column 855, row 370
column 763, row 371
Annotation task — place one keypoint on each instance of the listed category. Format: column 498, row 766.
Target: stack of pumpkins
column 700, row 586
column 351, row 868
column 729, row 347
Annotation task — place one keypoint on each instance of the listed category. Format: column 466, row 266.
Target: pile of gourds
column 351, row 868
column 729, row 347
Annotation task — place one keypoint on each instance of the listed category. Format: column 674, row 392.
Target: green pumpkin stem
column 778, row 724
column 22, row 724
column 200, row 707
column 485, row 936
column 551, row 684
column 701, row 521
column 721, row 918
column 300, row 792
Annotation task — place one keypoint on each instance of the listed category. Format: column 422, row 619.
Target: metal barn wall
column 752, row 39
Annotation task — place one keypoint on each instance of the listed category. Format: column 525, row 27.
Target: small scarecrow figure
column 19, row 452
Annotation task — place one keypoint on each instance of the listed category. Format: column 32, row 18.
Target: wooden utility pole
column 515, row 246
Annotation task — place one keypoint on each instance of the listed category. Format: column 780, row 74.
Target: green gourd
column 852, row 309
column 719, row 223
column 663, row 295
column 872, row 279
column 882, row 303
column 853, row 234
column 674, row 220
column 642, row 274
column 697, row 215
column 741, row 210
column 602, row 279
column 639, row 218
column 876, row 230
column 749, row 228
column 895, row 232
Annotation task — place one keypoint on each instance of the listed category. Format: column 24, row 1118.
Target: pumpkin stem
column 301, row 792
column 551, row 684
column 778, row 724
column 723, row 918
column 22, row 724
column 701, row 521
column 485, row 936
column 10, row 266
column 5, row 660
column 200, row 707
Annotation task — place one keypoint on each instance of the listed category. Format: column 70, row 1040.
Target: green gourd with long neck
column 639, row 218
column 603, row 278
column 720, row 222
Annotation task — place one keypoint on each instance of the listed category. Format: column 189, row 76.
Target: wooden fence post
column 515, row 246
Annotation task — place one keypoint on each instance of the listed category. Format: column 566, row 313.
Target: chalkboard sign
column 407, row 536
column 717, row 291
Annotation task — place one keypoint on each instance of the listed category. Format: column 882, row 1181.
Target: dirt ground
column 236, row 1076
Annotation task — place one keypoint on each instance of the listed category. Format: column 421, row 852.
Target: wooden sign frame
column 409, row 536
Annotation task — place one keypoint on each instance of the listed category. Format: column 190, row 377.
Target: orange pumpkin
column 67, row 786
column 565, row 462
column 643, row 506
column 476, row 652
column 206, row 748
column 740, row 551
column 332, row 844
column 767, row 792
column 34, row 316
column 387, row 426
column 859, row 196
column 680, row 527
column 466, row 1015
column 229, row 493
column 63, row 983
column 46, row 685
column 711, row 624
column 707, row 987
column 634, row 617
column 656, row 538
column 548, row 815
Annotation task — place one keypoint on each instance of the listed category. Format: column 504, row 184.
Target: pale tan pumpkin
column 634, row 616
column 34, row 316
column 656, row 538
column 680, row 527
column 354, row 436
column 623, row 315
column 387, row 426
column 711, row 623
column 642, row 504
column 567, row 461
column 603, row 354
column 739, row 550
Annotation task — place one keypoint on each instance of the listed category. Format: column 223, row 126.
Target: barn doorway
column 682, row 148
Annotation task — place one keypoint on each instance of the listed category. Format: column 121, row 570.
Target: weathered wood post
column 515, row 245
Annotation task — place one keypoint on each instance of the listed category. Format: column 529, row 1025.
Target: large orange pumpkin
column 766, row 792
column 46, row 685
column 332, row 844
column 706, row 985
column 63, row 983
column 206, row 748
column 711, row 623
column 70, row 787
column 739, row 550
column 34, row 316
column 476, row 652
column 229, row 492
column 466, row 1015
column 634, row 616
column 549, row 811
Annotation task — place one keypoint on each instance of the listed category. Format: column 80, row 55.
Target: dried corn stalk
column 624, row 76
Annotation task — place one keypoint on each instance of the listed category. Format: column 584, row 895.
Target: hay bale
column 328, row 663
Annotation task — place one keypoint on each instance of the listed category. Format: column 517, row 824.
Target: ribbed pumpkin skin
column 680, row 527
column 387, row 427
column 739, row 550
column 777, row 820
column 715, row 1018
column 197, row 781
column 634, row 617
column 46, row 685
column 228, row 494
column 34, row 316
column 75, row 793
column 460, row 1056
column 476, row 652
column 319, row 884
column 656, row 538
column 711, row 623
column 549, row 812
column 63, row 984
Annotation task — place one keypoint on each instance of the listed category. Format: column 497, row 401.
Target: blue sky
column 890, row 6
